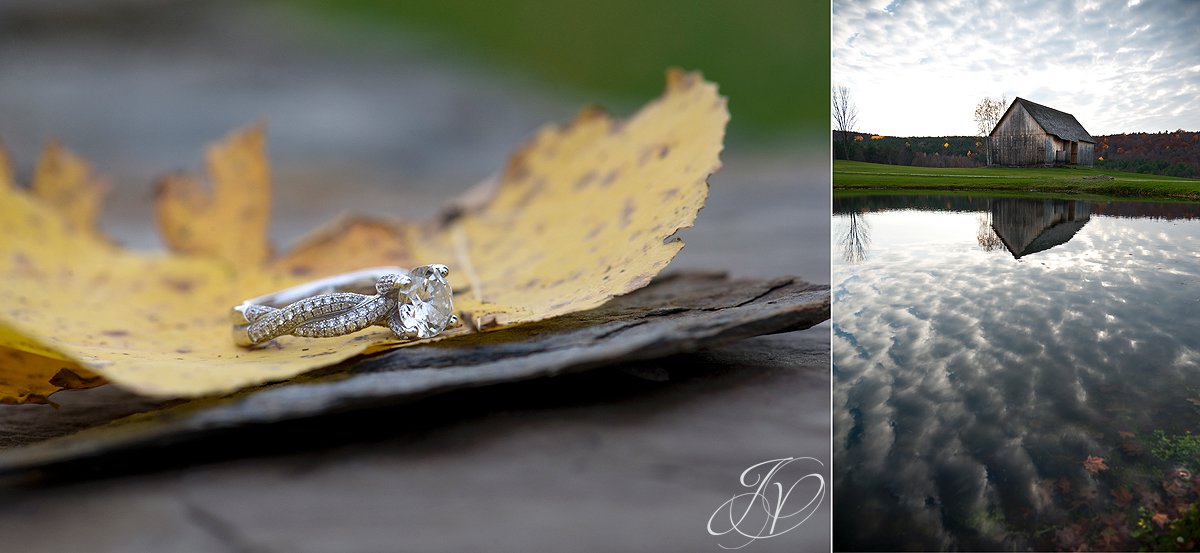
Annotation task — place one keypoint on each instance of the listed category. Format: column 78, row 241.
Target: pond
column 1015, row 373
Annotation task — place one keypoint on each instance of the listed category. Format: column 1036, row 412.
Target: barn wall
column 1060, row 150
column 1087, row 153
column 1019, row 140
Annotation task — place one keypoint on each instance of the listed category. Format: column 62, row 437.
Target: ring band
column 414, row 304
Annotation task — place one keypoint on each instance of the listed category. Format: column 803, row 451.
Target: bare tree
column 986, row 235
column 845, row 114
column 856, row 239
column 987, row 114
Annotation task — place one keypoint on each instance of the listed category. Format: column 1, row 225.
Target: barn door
column 1075, row 153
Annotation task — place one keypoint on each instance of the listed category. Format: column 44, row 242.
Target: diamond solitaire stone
column 429, row 306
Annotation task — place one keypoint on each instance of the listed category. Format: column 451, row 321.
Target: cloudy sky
column 918, row 68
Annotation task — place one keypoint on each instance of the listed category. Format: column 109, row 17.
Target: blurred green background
column 771, row 58
column 409, row 103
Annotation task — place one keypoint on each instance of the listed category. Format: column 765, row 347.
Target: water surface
column 1002, row 365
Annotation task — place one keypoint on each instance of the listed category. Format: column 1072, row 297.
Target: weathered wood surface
column 1019, row 140
column 593, row 461
column 677, row 313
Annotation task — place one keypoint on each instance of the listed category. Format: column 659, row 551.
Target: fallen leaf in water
column 1125, row 434
column 1094, row 464
column 1161, row 519
column 1174, row 487
column 1071, row 537
column 1122, row 496
column 1132, row 449
column 582, row 213
column 1111, row 539
column 1150, row 499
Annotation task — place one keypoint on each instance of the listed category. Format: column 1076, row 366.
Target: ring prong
column 453, row 321
column 403, row 282
column 441, row 270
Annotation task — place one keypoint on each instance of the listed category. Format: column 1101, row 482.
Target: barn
column 1033, row 134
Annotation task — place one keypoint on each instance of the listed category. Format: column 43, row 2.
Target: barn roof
column 1058, row 123
column 1055, row 235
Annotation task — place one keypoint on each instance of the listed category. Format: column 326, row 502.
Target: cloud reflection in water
column 966, row 381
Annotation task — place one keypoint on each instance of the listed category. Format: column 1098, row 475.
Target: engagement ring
column 414, row 304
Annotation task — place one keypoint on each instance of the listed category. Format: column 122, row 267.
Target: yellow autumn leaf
column 230, row 222
column 582, row 213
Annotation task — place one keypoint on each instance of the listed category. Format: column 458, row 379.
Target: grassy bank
column 851, row 175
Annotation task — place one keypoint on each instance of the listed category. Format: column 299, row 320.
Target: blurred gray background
column 390, row 109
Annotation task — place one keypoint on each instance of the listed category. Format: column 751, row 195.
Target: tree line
column 1175, row 154
column 920, row 151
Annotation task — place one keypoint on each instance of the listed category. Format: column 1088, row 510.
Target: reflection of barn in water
column 1030, row 226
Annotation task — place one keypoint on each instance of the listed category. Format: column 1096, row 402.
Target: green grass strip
column 1068, row 180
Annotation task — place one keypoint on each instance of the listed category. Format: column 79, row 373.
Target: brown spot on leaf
column 468, row 320
column 678, row 79
column 627, row 213
column 590, row 112
column 595, row 230
column 610, row 178
column 584, row 180
column 658, row 151
column 518, row 168
column 23, row 266
column 644, row 156
column 115, row 333
column 532, row 192
column 180, row 285
column 642, row 280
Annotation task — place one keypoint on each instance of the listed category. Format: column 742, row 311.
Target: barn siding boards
column 1032, row 134
column 1087, row 153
